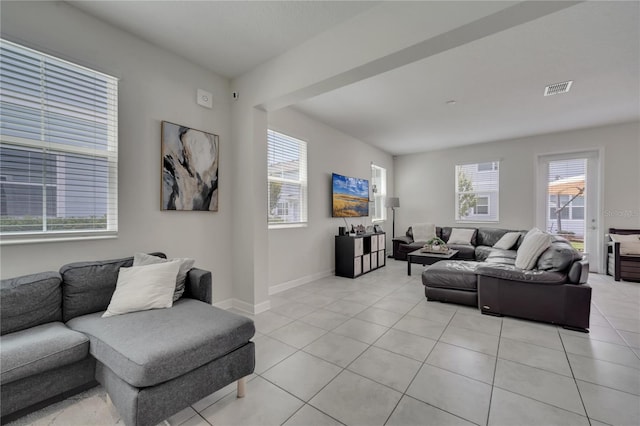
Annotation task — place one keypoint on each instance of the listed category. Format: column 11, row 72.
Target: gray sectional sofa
column 152, row 363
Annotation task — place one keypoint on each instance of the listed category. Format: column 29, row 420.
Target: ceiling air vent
column 554, row 89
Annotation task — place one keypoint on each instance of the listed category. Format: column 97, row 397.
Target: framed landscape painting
column 189, row 169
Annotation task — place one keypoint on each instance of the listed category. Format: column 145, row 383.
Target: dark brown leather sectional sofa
column 481, row 243
column 555, row 291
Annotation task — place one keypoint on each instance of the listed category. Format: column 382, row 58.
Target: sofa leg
column 111, row 407
column 242, row 387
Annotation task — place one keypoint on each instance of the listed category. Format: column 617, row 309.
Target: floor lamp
column 393, row 203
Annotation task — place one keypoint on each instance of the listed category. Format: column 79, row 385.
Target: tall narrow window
column 58, row 147
column 287, row 180
column 477, row 190
column 379, row 193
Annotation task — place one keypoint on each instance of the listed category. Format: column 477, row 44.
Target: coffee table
column 427, row 258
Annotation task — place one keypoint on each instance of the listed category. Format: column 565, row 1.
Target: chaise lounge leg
column 241, row 387
column 111, row 407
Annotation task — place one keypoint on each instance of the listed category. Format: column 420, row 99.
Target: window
column 476, row 189
column 58, row 147
column 379, row 191
column 570, row 208
column 282, row 209
column 482, row 205
column 287, row 180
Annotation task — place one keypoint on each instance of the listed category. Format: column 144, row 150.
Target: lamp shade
column 392, row 202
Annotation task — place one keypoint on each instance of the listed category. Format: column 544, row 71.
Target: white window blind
column 379, row 190
column 287, row 180
column 477, row 192
column 58, row 147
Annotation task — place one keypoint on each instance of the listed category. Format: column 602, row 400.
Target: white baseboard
column 261, row 307
column 243, row 306
column 275, row 289
column 251, row 309
column 224, row 304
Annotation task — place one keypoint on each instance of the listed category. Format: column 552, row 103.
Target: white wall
column 300, row 254
column 381, row 38
column 425, row 182
column 155, row 85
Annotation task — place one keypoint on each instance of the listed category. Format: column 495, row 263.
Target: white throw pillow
column 461, row 236
column 620, row 238
column 533, row 230
column 140, row 288
column 507, row 241
column 141, row 259
column 423, row 231
column 533, row 245
column 630, row 248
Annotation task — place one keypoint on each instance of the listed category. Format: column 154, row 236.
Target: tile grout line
column 575, row 381
column 495, row 370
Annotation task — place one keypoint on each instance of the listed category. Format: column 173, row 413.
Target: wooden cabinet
column 357, row 255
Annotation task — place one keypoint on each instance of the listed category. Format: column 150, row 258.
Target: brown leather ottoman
column 452, row 281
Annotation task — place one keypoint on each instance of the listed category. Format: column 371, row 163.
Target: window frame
column 282, row 208
column 487, row 205
column 380, row 195
column 302, row 181
column 493, row 166
column 56, row 150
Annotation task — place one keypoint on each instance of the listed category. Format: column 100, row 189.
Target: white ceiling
column 227, row 37
column 497, row 82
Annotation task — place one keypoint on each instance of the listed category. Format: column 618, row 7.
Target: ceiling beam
column 502, row 20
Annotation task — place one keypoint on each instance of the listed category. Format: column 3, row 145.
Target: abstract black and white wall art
column 189, row 169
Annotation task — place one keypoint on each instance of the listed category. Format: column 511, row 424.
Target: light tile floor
column 373, row 351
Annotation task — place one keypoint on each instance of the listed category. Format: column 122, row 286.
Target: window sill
column 288, row 225
column 478, row 221
column 39, row 239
